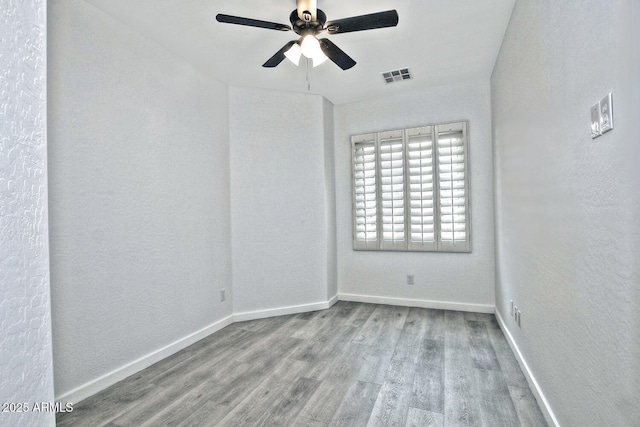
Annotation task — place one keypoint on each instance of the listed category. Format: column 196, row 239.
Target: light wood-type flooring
column 351, row 365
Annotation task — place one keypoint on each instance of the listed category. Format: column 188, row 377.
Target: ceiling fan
column 308, row 21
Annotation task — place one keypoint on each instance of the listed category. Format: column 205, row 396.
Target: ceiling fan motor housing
column 313, row 27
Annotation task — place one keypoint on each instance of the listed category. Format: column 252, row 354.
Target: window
column 411, row 189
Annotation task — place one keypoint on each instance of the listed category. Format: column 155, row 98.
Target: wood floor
column 352, row 365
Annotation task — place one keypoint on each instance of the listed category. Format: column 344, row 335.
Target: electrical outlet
column 410, row 279
column 223, row 295
column 515, row 313
column 518, row 316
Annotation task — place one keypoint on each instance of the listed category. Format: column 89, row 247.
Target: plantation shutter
column 392, row 190
column 411, row 189
column 421, row 177
column 453, row 187
column 365, row 193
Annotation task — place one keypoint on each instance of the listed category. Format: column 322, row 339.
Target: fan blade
column 229, row 19
column 336, row 54
column 279, row 56
column 363, row 22
column 311, row 6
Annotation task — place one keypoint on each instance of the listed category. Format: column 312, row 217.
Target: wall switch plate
column 602, row 116
column 606, row 113
column 410, row 279
column 595, row 121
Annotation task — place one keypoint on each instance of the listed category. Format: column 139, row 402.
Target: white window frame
column 422, row 197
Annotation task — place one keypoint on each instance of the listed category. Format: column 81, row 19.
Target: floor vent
column 396, row 75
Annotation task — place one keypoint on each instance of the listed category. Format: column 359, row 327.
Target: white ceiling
column 440, row 41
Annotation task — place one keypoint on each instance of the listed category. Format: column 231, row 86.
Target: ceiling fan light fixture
column 294, row 53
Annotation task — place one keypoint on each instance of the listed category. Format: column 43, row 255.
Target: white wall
column 567, row 206
column 464, row 281
column 25, row 321
column 280, row 200
column 139, row 200
column 330, row 200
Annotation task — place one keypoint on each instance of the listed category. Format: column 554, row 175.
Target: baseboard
column 283, row 311
column 80, row 393
column 333, row 300
column 533, row 383
column 407, row 302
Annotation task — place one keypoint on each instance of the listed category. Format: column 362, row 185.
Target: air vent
column 396, row 75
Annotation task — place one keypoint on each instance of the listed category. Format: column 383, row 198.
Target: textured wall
column 446, row 277
column 139, row 195
column 330, row 200
column 26, row 373
column 279, row 199
column 567, row 206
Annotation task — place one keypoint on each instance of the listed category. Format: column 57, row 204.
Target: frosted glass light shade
column 310, row 48
column 293, row 54
column 319, row 59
